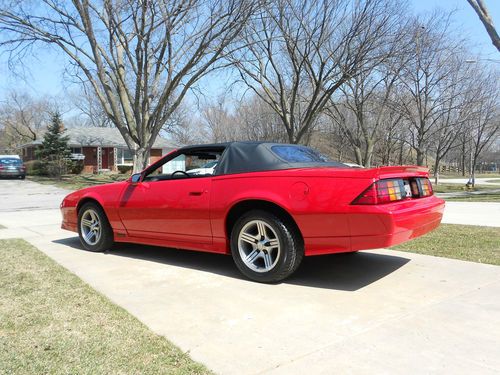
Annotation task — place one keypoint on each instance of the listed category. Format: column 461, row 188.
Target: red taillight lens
column 369, row 196
column 393, row 190
column 425, row 187
column 390, row 190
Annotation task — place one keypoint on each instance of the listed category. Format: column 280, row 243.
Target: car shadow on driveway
column 347, row 272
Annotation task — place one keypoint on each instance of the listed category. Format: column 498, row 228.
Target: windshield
column 210, row 165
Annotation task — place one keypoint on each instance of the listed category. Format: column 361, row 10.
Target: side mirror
column 136, row 177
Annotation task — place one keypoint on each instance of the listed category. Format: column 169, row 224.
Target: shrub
column 76, row 166
column 57, row 166
column 124, row 168
column 36, row 168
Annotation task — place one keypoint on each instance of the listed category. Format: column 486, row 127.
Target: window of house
column 124, row 156
column 76, row 150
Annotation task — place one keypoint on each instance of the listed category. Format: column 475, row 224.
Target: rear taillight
column 393, row 190
column 425, row 187
column 390, row 190
column 369, row 196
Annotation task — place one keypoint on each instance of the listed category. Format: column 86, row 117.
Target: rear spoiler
column 400, row 171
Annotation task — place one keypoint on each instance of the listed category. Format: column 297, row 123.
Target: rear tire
column 265, row 248
column 94, row 229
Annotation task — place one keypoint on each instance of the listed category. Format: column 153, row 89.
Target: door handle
column 196, row 193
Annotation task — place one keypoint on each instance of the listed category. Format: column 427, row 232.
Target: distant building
column 101, row 149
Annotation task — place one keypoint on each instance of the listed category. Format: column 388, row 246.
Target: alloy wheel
column 90, row 226
column 259, row 246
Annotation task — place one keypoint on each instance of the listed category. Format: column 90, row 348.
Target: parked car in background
column 12, row 166
column 266, row 204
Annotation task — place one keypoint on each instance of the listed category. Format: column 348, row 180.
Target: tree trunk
column 401, row 149
column 420, row 157
column 141, row 158
column 473, row 170
column 463, row 158
column 359, row 157
column 436, row 171
column 367, row 162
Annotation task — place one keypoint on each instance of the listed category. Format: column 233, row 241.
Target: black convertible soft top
column 241, row 157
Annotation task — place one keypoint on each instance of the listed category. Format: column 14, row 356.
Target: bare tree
column 139, row 57
column 425, row 77
column 183, row 128
column 22, row 118
column 368, row 96
column 258, row 121
column 92, row 113
column 481, row 10
column 221, row 124
column 299, row 52
column 485, row 119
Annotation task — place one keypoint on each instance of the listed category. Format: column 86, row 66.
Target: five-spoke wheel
column 93, row 228
column 259, row 246
column 90, row 227
column 265, row 247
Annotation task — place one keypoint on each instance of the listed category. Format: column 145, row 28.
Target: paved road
column 472, row 213
column 378, row 311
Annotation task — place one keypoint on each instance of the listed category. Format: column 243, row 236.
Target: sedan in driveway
column 266, row 204
column 12, row 166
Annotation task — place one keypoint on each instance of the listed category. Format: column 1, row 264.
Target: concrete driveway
column 378, row 311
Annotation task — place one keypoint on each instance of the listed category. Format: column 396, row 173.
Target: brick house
column 101, row 149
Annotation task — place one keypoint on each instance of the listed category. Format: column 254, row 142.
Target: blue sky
column 47, row 67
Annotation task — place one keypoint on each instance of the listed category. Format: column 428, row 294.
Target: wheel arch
column 88, row 199
column 241, row 207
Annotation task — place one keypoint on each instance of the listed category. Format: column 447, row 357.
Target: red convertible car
column 266, row 204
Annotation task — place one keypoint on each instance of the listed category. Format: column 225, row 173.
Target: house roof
column 104, row 137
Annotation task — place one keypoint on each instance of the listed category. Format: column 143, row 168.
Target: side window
column 196, row 164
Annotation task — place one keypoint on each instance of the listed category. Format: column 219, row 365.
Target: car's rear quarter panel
column 320, row 203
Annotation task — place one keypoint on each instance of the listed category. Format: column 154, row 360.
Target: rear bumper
column 391, row 239
column 373, row 227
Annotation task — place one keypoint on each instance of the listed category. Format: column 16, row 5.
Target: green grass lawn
column 51, row 322
column 455, row 188
column 483, row 197
column 486, row 193
column 477, row 175
column 465, row 242
column 75, row 182
column 448, row 188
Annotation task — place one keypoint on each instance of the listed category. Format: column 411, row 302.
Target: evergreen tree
column 54, row 144
column 54, row 151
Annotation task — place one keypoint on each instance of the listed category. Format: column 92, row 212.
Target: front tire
column 93, row 228
column 265, row 247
